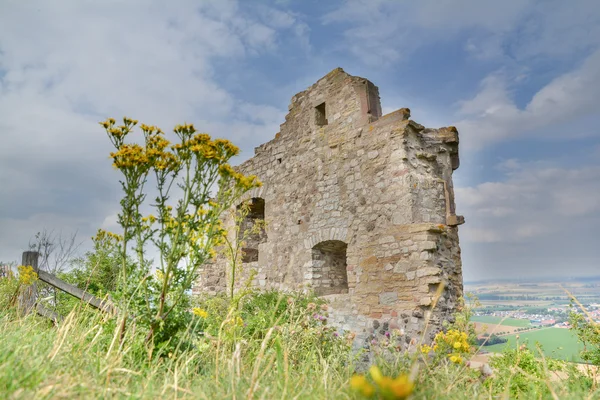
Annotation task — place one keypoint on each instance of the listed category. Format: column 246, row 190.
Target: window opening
column 329, row 268
column 252, row 229
column 321, row 115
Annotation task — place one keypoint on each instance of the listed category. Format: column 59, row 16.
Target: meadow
column 556, row 343
column 279, row 352
column 488, row 319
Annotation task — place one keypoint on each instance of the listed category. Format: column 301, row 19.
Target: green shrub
column 588, row 333
column 297, row 319
column 8, row 288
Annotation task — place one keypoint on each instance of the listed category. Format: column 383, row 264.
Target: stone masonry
column 359, row 207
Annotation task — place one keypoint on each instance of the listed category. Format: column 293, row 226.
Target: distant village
column 556, row 317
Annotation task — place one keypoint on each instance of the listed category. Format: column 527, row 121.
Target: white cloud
column 537, row 213
column 479, row 235
column 530, row 196
column 17, row 232
column 492, row 115
column 385, row 30
column 509, row 165
column 530, row 231
column 111, row 223
column 65, row 67
column 520, row 37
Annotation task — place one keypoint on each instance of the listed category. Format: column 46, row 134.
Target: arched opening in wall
column 252, row 228
column 329, row 273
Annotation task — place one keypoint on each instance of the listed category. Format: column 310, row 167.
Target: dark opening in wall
column 321, row 115
column 329, row 271
column 252, row 229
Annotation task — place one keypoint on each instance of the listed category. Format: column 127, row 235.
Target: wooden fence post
column 28, row 297
column 27, row 300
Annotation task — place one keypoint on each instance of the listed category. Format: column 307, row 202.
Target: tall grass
column 84, row 357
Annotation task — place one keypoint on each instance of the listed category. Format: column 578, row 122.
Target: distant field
column 520, row 323
column 556, row 343
column 518, row 303
column 534, row 293
column 482, row 327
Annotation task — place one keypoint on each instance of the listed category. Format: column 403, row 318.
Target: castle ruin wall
column 359, row 207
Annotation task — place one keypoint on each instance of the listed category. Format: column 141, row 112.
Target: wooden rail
column 75, row 292
column 28, row 299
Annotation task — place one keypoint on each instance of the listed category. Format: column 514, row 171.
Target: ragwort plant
column 184, row 232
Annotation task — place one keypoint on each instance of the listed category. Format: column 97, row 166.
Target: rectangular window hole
column 321, row 115
column 249, row 232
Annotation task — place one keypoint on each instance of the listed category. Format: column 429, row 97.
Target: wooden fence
column 28, row 300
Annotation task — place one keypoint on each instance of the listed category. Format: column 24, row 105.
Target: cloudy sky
column 520, row 80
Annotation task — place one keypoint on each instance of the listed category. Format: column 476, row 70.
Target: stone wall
column 340, row 173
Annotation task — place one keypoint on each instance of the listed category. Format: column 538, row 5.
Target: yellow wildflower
column 212, row 254
column 426, row 349
column 129, row 121
column 402, row 387
column 200, row 312
column 27, row 274
column 229, row 148
column 238, row 321
column 455, row 358
column 150, row 218
column 389, row 388
column 376, row 374
column 159, row 275
column 226, row 171
column 360, row 384
column 130, row 155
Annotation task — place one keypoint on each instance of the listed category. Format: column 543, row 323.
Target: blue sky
column 520, row 80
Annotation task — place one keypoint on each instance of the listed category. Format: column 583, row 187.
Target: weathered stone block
column 428, row 245
column 402, row 266
column 428, row 271
column 388, row 298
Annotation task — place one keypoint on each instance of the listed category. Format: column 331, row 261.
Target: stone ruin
column 359, row 207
